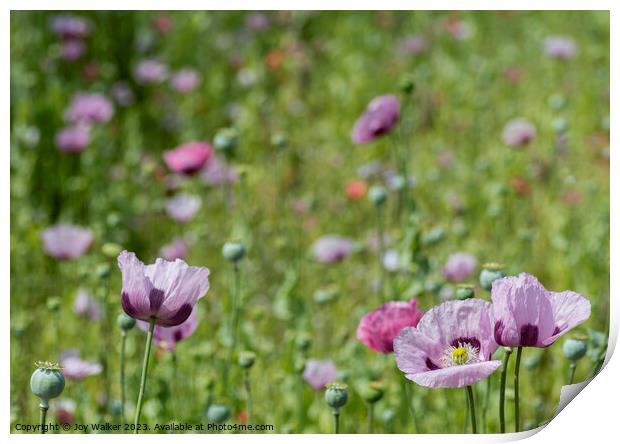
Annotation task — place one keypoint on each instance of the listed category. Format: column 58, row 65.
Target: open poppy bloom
column 380, row 117
column 166, row 291
column 525, row 314
column 451, row 346
column 66, row 242
column 188, row 158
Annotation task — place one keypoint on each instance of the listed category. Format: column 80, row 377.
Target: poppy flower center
column 461, row 354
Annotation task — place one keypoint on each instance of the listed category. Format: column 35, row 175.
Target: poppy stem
column 572, row 367
column 485, row 405
column 123, row 344
column 42, row 415
column 502, row 390
column 517, row 365
column 145, row 366
column 371, row 416
column 336, row 422
column 248, row 394
column 381, row 240
column 235, row 305
column 472, row 408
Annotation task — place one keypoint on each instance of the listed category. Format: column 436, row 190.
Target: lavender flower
column 86, row 306
column 89, row 108
column 183, row 207
column 320, row 373
column 66, row 241
column 150, row 72
column 75, row 368
column 331, row 249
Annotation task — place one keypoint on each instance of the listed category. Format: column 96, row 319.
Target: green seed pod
column 464, row 291
column 303, row 341
column 490, row 272
column 53, row 304
column 218, row 413
column 377, row 195
column 246, row 359
column 103, row 270
column 407, row 86
column 399, row 183
column 47, row 381
column 371, row 392
column 125, row 322
column 575, row 349
column 233, row 251
column 225, row 140
column 111, row 250
column 336, row 395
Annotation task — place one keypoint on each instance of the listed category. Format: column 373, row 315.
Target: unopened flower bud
column 574, row 349
column 246, row 359
column 371, row 392
column 233, row 251
column 465, row 292
column 218, row 413
column 47, row 382
column 407, row 86
column 490, row 272
column 125, row 322
column 53, row 304
column 225, row 140
column 336, row 395
column 377, row 195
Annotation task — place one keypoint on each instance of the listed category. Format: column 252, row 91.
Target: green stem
column 248, row 393
column 485, row 404
column 145, row 366
column 472, row 408
column 502, row 391
column 42, row 415
column 336, row 422
column 300, row 405
column 572, row 367
column 371, row 416
column 123, row 344
column 516, row 384
column 235, row 306
column 381, row 240
column 408, row 393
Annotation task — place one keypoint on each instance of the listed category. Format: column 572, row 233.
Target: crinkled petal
column 456, row 376
column 136, row 287
column 569, row 310
column 416, row 353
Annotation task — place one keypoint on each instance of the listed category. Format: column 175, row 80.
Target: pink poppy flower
column 166, row 291
column 519, row 132
column 178, row 249
column 72, row 50
column 183, row 207
column 380, row 117
column 189, row 158
column 560, row 47
column 320, row 373
column 525, row 314
column 331, row 249
column 89, row 108
column 75, row 368
column 150, row 72
column 66, row 241
column 169, row 337
column 185, row 80
column 378, row 328
column 73, row 139
column 451, row 346
column 459, row 267
column 86, row 306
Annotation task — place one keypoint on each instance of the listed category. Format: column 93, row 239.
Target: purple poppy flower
column 72, row 50
column 75, row 368
column 380, row 117
column 413, row 45
column 89, row 108
column 166, row 291
column 150, row 72
column 185, row 80
column 189, row 158
column 183, row 207
column 178, row 249
column 217, row 173
column 525, row 314
column 86, row 306
column 519, row 132
column 451, row 346
column 320, row 373
column 169, row 337
column 459, row 267
column 378, row 328
column 73, row 139
column 560, row 47
column 66, row 241
column 68, row 26
column 331, row 249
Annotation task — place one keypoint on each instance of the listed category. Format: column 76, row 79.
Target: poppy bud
column 336, row 395
column 371, row 392
column 407, row 86
column 47, row 381
column 225, row 140
column 465, row 292
column 377, row 195
column 218, row 413
column 125, row 322
column 53, row 304
column 490, row 272
column 233, row 251
column 574, row 349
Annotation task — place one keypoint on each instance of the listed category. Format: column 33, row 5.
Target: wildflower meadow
column 306, row 221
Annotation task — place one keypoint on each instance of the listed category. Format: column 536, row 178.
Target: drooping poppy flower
column 319, row 373
column 380, row 117
column 518, row 133
column 75, row 368
column 451, row 346
column 189, row 158
column 331, row 249
column 169, row 337
column 66, row 241
column 378, row 328
column 183, row 207
column 525, row 314
column 166, row 291
column 459, row 267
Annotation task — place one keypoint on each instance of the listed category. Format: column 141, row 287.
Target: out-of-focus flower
column 74, row 368
column 89, row 108
column 91, row 71
column 560, row 47
column 183, row 207
column 356, row 189
column 66, row 241
column 68, row 26
column 150, row 72
column 169, row 337
column 331, row 249
column 572, row 197
column 122, row 94
column 185, row 80
column 525, row 314
column 189, row 158
column 257, row 21
column 413, row 45
column 217, row 173
column 392, row 261
column 520, row 186
column 378, row 328
column 380, row 117
column 72, row 50
column 166, row 291
column 64, row 409
column 162, row 23
column 457, row 28
column 519, row 132
column 513, row 74
column 73, row 139
column 178, row 249
column 86, row 306
column 459, row 267
column 319, row 373
column 451, row 346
